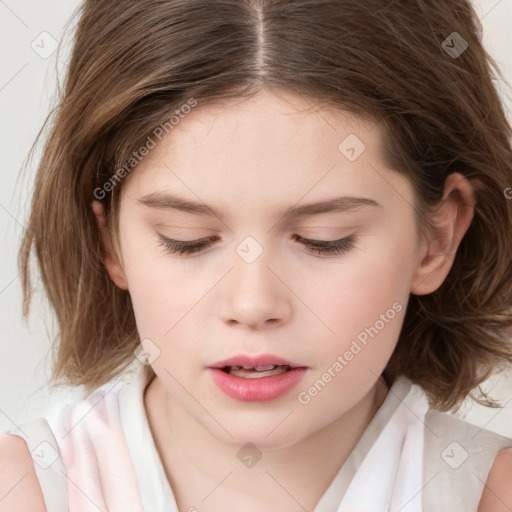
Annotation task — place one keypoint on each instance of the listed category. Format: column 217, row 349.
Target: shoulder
column 19, row 485
column 497, row 494
column 447, row 426
column 458, row 459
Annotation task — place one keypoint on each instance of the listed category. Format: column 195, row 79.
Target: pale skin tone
column 250, row 160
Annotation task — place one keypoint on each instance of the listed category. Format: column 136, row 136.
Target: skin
column 497, row 494
column 250, row 159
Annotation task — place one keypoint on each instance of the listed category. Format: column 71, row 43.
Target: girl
column 276, row 236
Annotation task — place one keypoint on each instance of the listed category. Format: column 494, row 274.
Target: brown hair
column 134, row 62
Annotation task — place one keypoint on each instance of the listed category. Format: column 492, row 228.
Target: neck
column 186, row 447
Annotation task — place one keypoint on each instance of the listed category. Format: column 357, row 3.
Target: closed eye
column 324, row 247
column 339, row 246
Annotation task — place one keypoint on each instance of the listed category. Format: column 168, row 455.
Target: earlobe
column 111, row 258
column 451, row 221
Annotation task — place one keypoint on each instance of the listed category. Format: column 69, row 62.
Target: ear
column 451, row 221
column 111, row 258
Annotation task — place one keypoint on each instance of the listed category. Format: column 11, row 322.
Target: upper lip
column 254, row 361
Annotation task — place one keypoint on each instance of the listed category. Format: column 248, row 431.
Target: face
column 324, row 288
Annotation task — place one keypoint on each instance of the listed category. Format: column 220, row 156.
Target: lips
column 256, row 378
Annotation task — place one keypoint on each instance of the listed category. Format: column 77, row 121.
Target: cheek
column 163, row 307
column 365, row 308
column 160, row 293
column 364, row 299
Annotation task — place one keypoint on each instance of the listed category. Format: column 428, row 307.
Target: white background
column 27, row 89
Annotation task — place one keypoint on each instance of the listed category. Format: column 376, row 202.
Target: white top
column 99, row 454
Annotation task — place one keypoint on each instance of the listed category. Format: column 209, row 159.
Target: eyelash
column 323, row 247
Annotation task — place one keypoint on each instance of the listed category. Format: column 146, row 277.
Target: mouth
column 255, row 367
column 256, row 372
column 256, row 379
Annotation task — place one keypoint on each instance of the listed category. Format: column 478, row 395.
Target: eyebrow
column 160, row 200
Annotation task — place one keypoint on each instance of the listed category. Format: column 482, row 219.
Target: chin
column 266, row 433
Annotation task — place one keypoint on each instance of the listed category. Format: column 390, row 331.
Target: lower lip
column 256, row 390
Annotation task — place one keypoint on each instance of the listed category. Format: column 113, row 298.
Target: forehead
column 270, row 149
column 263, row 116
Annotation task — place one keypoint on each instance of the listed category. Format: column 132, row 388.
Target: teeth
column 257, row 368
column 258, row 371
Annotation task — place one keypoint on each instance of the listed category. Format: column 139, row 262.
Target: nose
column 254, row 295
